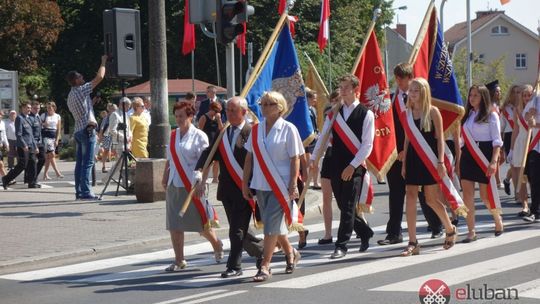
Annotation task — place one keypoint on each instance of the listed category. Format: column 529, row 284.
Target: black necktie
column 231, row 135
column 404, row 97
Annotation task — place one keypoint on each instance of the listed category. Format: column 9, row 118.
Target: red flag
column 374, row 94
column 281, row 7
column 188, row 44
column 292, row 21
column 324, row 26
column 433, row 64
column 503, row 2
column 241, row 41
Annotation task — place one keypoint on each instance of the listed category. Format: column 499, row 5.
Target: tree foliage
column 28, row 31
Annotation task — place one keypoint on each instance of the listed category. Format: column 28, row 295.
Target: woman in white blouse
column 51, row 131
column 484, row 126
column 284, row 146
column 517, row 148
column 189, row 143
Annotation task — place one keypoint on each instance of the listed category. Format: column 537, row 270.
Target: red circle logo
column 434, row 292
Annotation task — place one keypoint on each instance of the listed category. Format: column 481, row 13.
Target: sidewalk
column 47, row 226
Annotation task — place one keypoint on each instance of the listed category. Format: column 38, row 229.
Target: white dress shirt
column 282, row 143
column 535, row 102
column 485, row 131
column 190, row 146
column 3, row 136
column 10, row 130
column 236, row 133
column 368, row 134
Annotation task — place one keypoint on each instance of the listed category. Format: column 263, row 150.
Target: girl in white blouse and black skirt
column 484, row 128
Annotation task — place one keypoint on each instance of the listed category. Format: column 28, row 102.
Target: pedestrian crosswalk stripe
column 529, row 289
column 198, row 295
column 468, row 272
column 369, row 268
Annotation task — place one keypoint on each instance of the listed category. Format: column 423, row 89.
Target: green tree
column 482, row 72
column 28, row 31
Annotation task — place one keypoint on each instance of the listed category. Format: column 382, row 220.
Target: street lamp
column 400, row 8
column 441, row 12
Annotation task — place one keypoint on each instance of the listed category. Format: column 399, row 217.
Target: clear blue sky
column 526, row 12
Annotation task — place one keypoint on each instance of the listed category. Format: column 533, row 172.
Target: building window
column 521, row 61
column 499, row 30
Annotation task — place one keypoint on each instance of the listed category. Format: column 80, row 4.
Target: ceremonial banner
column 374, row 94
column 431, row 60
column 315, row 82
column 278, row 70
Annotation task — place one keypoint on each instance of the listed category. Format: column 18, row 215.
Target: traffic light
column 229, row 18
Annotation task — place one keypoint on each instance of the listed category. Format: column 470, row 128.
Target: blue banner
column 281, row 72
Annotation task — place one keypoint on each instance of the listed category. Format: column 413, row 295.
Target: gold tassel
column 496, row 211
column 258, row 225
column 462, row 211
column 296, row 227
column 360, row 208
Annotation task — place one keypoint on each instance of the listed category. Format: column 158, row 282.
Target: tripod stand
column 122, row 163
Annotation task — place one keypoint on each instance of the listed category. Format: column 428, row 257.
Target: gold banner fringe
column 258, row 225
column 211, row 224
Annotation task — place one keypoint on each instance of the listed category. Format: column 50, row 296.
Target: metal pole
column 217, row 57
column 240, row 59
column 229, row 58
column 469, row 46
column 159, row 129
column 329, row 47
column 441, row 13
column 193, row 70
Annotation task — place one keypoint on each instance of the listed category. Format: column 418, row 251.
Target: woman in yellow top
column 139, row 129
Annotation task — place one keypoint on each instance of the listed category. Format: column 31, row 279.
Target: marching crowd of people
column 262, row 165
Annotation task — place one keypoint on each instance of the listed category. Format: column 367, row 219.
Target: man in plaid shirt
column 81, row 107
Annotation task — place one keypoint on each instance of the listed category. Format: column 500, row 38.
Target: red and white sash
column 523, row 122
column 430, row 160
column 352, row 143
column 508, row 118
column 483, row 163
column 293, row 217
column 447, row 184
column 535, row 139
column 209, row 217
column 234, row 169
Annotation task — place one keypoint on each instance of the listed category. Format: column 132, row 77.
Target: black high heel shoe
column 302, row 244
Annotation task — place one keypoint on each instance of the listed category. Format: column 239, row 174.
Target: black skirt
column 325, row 168
column 416, row 172
column 469, row 168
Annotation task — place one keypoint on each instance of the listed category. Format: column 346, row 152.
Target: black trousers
column 26, row 161
column 239, row 215
column 38, row 165
column 533, row 174
column 396, row 199
column 346, row 194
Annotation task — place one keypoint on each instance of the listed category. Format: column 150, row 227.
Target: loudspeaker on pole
column 122, row 41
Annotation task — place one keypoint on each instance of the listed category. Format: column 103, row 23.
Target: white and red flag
column 324, row 26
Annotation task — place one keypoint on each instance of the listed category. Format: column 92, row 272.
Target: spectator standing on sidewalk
column 26, row 148
column 4, row 145
column 80, row 106
column 12, row 139
column 51, row 132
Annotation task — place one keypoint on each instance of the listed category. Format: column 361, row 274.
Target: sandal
column 175, row 267
column 450, row 239
column 292, row 260
column 263, row 274
column 413, row 248
column 218, row 255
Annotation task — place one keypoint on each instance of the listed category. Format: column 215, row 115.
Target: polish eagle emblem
column 377, row 101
